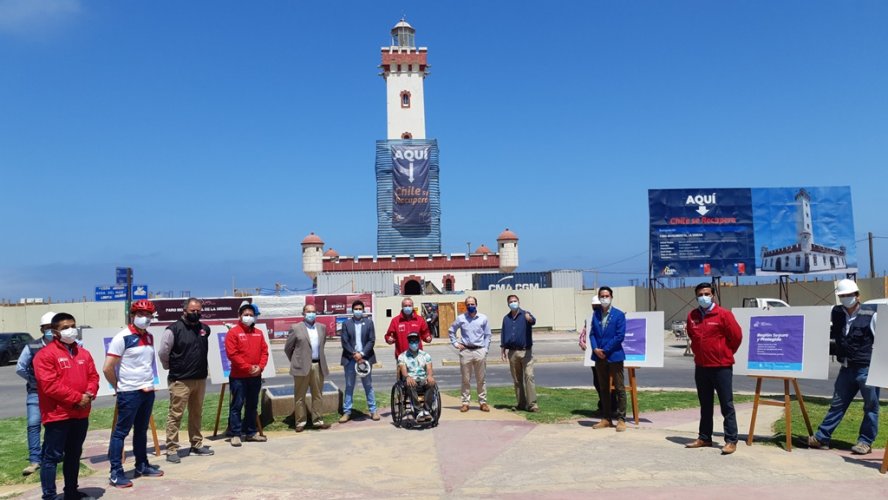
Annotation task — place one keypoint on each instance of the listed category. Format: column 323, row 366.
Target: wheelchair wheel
column 398, row 404
column 435, row 406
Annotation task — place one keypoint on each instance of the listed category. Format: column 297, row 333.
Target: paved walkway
column 499, row 454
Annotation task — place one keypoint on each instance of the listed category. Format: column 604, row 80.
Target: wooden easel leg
column 154, row 435
column 259, row 425
column 795, row 383
column 884, row 467
column 219, row 410
column 787, row 412
column 633, row 390
column 755, row 407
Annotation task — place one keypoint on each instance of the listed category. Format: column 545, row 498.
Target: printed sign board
column 785, row 342
column 643, row 342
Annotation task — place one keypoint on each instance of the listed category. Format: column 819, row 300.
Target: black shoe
column 173, row 458
column 203, row 451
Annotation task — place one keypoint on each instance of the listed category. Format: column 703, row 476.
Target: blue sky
column 199, row 142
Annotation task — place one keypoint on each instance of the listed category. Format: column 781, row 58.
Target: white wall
column 94, row 314
column 410, row 119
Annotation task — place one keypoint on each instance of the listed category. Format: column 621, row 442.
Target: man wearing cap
column 415, row 368
column 516, row 343
column 473, row 344
column 715, row 337
column 248, row 354
column 404, row 323
column 67, row 384
column 129, row 368
column 851, row 337
column 25, row 369
column 358, row 338
column 308, row 366
column 608, row 331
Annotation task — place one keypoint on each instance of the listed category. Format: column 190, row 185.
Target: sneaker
column 814, row 444
column 424, row 416
column 345, row 418
column 861, row 448
column 320, row 424
column 173, row 458
column 235, row 441
column 603, row 424
column 374, row 416
column 119, row 480
column 203, row 451
column 30, row 469
column 148, row 470
column 621, row 426
column 256, row 438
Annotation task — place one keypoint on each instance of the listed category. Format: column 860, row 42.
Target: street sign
column 118, row 292
column 140, row 292
column 122, row 274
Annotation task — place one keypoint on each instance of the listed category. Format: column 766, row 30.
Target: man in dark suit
column 308, row 366
column 608, row 331
column 358, row 338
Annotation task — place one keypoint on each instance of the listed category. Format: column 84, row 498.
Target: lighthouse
column 404, row 67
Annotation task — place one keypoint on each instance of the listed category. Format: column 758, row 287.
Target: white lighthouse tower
column 312, row 257
column 803, row 220
column 404, row 68
column 507, row 242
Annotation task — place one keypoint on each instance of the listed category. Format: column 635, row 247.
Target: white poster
column 643, row 343
column 878, row 371
column 220, row 367
column 96, row 341
column 784, row 342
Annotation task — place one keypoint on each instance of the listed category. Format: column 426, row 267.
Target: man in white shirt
column 308, row 366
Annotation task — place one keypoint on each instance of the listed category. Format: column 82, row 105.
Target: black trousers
column 720, row 381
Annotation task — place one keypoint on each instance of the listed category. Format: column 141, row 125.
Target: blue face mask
column 48, row 334
column 513, row 306
column 358, row 313
column 408, row 310
column 472, row 309
column 310, row 317
column 414, row 346
column 705, row 301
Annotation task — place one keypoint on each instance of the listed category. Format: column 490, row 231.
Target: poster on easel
column 643, row 342
column 96, row 341
column 220, row 365
column 787, row 342
column 878, row 370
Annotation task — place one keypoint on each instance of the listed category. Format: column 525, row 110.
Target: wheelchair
column 401, row 405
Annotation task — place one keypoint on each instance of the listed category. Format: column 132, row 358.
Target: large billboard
column 410, row 175
column 747, row 232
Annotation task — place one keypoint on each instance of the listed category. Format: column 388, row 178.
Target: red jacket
column 400, row 327
column 714, row 338
column 63, row 377
column 245, row 348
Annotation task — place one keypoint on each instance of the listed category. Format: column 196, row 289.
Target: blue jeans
column 33, row 407
column 350, row 376
column 848, row 383
column 244, row 392
column 133, row 412
column 62, row 442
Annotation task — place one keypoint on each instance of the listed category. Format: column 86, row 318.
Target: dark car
column 11, row 345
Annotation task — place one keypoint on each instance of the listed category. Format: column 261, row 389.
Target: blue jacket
column 610, row 338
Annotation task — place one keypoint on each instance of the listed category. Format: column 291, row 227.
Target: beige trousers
column 314, row 381
column 184, row 393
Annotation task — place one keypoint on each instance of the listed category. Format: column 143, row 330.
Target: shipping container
column 511, row 281
column 379, row 283
column 567, row 278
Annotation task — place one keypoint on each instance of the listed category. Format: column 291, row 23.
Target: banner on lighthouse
column 410, row 178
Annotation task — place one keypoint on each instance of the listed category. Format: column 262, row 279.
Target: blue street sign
column 122, row 274
column 140, row 292
column 118, row 292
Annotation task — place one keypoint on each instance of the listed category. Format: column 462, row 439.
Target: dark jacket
column 188, row 355
column 856, row 348
column 368, row 337
column 517, row 332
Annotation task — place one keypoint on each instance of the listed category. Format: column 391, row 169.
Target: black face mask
column 192, row 317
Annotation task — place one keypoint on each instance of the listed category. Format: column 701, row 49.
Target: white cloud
column 29, row 17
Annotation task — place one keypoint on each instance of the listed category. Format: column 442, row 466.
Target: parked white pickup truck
column 763, row 303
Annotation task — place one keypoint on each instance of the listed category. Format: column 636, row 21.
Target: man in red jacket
column 67, row 383
column 406, row 322
column 715, row 337
column 248, row 354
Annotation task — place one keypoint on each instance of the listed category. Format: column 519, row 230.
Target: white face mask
column 248, row 320
column 848, row 302
column 68, row 335
column 142, row 322
column 605, row 301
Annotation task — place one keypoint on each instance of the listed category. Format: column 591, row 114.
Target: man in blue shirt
column 608, row 331
column 472, row 344
column 25, row 369
column 516, row 342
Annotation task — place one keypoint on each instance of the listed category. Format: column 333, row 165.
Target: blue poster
column 410, row 190
column 635, row 341
column 776, row 343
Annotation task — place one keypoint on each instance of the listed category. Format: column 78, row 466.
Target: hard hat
column 846, row 287
column 46, row 319
column 143, row 305
column 595, row 301
column 245, row 305
column 363, row 368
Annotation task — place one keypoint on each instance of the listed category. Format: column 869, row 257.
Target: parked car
column 11, row 345
column 876, row 301
column 763, row 303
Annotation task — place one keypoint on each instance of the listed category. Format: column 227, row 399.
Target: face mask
column 513, row 306
column 472, row 309
column 142, row 322
column 248, row 320
column 605, row 301
column 68, row 335
column 358, row 313
column 310, row 317
column 705, row 301
column 848, row 302
column 408, row 310
column 47, row 334
column 414, row 346
column 192, row 317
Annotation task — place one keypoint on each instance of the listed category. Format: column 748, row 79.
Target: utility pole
column 872, row 263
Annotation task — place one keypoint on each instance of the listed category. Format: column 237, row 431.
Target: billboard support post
column 783, row 284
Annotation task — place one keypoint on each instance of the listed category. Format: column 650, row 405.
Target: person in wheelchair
column 415, row 369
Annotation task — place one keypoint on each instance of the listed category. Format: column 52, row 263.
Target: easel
column 786, row 404
column 219, row 414
column 633, row 391
column 884, row 467
column 150, row 425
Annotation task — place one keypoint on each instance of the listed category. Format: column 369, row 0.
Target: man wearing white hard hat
column 851, row 341
column 25, row 370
